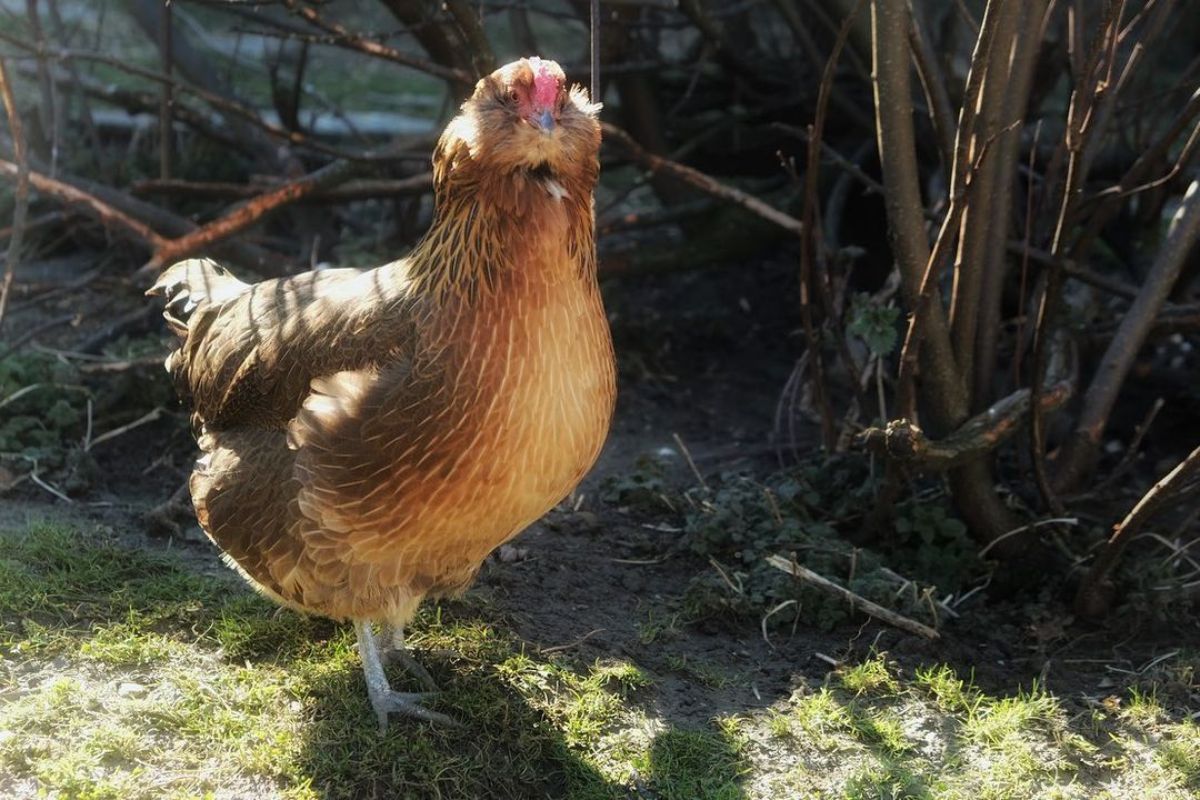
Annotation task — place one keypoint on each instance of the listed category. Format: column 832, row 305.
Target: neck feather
column 485, row 223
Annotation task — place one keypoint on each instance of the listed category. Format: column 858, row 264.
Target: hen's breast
column 536, row 364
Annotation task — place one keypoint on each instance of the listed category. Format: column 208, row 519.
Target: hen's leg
column 383, row 699
column 396, row 652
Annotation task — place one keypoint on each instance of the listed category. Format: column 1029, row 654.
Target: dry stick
column 1072, row 270
column 810, row 242
column 47, row 107
column 1109, row 200
column 85, row 109
column 856, row 601
column 21, row 195
column 981, row 123
column 134, row 218
column 248, row 214
column 137, row 102
column 1095, row 591
column 218, row 102
column 1019, row 349
column 993, row 229
column 472, row 31
column 165, row 134
column 933, row 84
column 89, row 204
column 354, row 41
column 1074, row 141
column 347, row 192
column 1082, row 448
column 150, row 416
column 656, row 163
column 851, row 168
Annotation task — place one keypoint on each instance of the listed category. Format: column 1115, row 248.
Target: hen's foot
column 384, row 700
column 396, row 652
column 407, row 704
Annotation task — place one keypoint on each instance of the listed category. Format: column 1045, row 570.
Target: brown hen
column 369, row 436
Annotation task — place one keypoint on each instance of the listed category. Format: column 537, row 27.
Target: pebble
column 130, row 689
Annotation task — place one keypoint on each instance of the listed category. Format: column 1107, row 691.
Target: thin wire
column 595, row 21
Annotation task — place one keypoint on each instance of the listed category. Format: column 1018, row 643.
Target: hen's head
column 523, row 117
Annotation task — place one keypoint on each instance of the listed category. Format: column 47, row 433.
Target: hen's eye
column 512, row 97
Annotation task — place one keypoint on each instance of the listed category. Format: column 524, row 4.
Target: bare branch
column 88, row 204
column 21, row 194
column 902, row 441
column 355, row 41
column 656, row 163
column 1083, row 447
column 248, row 214
column 1095, row 592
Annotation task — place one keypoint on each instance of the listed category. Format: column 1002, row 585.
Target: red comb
column 545, row 82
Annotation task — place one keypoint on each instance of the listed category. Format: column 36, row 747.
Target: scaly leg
column 395, row 651
column 383, row 699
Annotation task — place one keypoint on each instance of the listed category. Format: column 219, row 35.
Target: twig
column 1095, row 591
column 856, row 601
column 1081, row 450
column 248, row 214
column 229, row 108
column 983, row 551
column 348, row 192
column 166, row 54
column 21, row 195
column 810, row 244
column 149, row 416
column 709, row 185
column 560, row 647
column 692, row 464
column 771, row 613
column 33, row 476
column 355, row 41
column 89, row 204
column 18, row 341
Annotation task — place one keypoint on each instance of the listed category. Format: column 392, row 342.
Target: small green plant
column 875, row 324
column 871, row 676
column 644, row 489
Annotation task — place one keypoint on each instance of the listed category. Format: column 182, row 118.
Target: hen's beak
column 545, row 121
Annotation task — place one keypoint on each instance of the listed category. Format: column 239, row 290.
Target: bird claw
column 407, row 704
column 401, row 655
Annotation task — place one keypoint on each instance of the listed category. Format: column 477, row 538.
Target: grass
column 134, row 675
column 872, row 732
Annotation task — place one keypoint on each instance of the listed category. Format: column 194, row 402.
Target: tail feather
column 190, row 285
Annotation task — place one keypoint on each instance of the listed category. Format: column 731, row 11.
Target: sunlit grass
column 151, row 681
column 137, row 677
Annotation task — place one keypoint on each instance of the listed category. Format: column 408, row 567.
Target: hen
column 369, row 436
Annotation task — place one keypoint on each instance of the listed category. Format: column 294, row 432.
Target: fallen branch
column 348, row 192
column 902, row 441
column 704, row 183
column 87, row 203
column 1095, row 592
column 856, row 601
column 247, row 214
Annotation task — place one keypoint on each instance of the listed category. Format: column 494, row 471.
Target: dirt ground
column 704, row 357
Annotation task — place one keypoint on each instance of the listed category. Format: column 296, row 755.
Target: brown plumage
column 370, row 436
